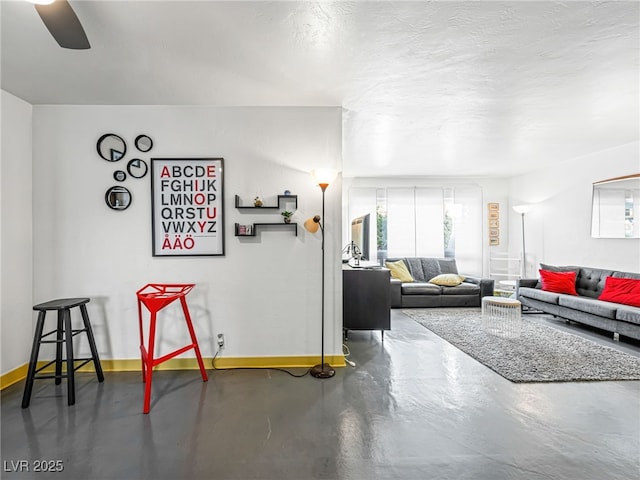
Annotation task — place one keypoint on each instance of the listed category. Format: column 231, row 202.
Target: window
column 424, row 221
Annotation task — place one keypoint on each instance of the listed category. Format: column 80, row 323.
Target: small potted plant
column 287, row 216
column 257, row 202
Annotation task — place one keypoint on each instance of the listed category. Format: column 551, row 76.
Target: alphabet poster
column 187, row 206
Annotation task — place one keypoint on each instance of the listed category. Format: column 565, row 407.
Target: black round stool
column 63, row 334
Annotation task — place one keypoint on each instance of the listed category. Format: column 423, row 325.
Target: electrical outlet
column 221, row 340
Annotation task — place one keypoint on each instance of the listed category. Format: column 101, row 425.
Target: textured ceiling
column 428, row 88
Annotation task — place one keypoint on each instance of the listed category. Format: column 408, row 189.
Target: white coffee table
column 501, row 316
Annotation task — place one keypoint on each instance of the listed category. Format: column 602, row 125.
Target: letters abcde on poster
column 187, row 207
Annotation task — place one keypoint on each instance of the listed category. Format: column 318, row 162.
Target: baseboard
column 133, row 365
column 276, row 362
column 13, row 376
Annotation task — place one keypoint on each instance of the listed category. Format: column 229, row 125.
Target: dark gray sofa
column 420, row 293
column 584, row 308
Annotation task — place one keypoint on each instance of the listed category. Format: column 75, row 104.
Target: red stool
column 155, row 297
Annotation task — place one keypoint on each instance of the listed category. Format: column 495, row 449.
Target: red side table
column 156, row 296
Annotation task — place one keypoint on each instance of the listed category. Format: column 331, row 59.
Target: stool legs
column 92, row 343
column 33, row 361
column 64, row 334
column 71, row 380
column 147, row 347
column 194, row 341
column 59, row 341
column 147, row 364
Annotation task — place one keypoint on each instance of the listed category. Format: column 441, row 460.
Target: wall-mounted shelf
column 291, row 198
column 288, row 226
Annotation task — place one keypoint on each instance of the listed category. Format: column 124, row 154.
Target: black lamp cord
column 213, row 364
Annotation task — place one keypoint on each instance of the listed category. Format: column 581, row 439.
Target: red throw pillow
column 621, row 290
column 558, row 282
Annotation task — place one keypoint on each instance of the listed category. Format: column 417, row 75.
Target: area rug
column 539, row 354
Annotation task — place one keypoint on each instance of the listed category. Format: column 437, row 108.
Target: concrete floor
column 414, row 407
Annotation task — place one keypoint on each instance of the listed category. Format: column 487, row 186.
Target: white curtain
column 467, row 227
column 401, row 222
column 419, row 219
column 430, row 210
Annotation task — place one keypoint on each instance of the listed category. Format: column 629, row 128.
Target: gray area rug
column 539, row 354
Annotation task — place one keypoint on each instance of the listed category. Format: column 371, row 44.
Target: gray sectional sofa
column 421, row 293
column 585, row 307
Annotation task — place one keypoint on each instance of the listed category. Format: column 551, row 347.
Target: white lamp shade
column 522, row 208
column 324, row 176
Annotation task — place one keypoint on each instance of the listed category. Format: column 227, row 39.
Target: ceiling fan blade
column 62, row 22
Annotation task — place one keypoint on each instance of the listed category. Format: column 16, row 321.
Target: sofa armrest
column 485, row 284
column 395, row 293
column 525, row 282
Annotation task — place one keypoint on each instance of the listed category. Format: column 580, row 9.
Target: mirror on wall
column 143, row 143
column 137, row 168
column 616, row 208
column 111, row 147
column 118, row 198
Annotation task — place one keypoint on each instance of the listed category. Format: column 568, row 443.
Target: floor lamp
column 323, row 179
column 522, row 209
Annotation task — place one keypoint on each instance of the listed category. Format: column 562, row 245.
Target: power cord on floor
column 346, row 352
column 213, row 364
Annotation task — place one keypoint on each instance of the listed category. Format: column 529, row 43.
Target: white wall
column 558, row 229
column 264, row 294
column 15, row 239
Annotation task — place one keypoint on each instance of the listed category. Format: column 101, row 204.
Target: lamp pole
column 323, row 178
column 522, row 210
column 319, row 371
column 524, row 251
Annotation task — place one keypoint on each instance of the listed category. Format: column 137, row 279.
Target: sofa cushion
column 448, row 265
column 559, row 268
column 430, row 267
column 537, row 294
column 590, row 281
column 628, row 314
column 558, row 282
column 415, row 269
column 447, row 280
column 463, row 289
column 399, row 270
column 423, row 269
column 589, row 305
column 420, row 288
column 626, row 275
column 621, row 290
